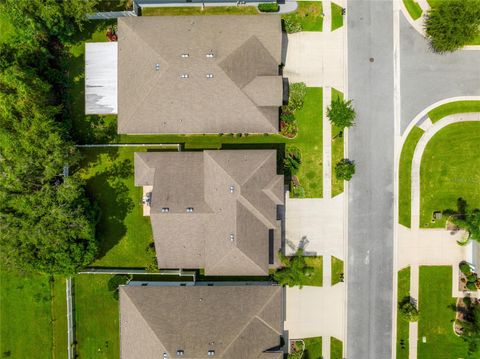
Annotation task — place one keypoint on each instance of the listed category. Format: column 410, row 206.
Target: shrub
column 115, row 281
column 291, row 25
column 268, row 7
column 407, row 309
column 345, row 169
column 471, row 286
column 465, row 268
column 295, row 270
column 297, row 191
column 341, row 113
column 292, row 160
column 452, row 24
column 296, row 97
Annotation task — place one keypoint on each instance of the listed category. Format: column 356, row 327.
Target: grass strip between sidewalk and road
column 337, row 270
column 338, row 149
column 402, row 325
column 452, row 108
column 405, row 176
column 436, row 314
column 317, row 277
column 337, row 16
column 413, row 8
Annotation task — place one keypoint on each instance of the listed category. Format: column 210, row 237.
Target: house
column 216, row 210
column 190, row 74
column 220, row 321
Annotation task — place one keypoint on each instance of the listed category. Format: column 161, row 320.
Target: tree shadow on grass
column 111, row 195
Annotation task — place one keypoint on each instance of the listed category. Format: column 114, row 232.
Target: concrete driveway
column 316, row 224
column 316, row 311
column 316, row 58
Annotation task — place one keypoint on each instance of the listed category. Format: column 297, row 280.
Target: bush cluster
column 296, row 98
column 269, row 7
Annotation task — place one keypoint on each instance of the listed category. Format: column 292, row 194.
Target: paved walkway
column 417, row 158
column 327, row 144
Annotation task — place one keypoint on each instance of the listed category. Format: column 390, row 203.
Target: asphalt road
column 370, row 222
column 427, row 77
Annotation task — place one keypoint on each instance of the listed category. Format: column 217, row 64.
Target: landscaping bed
column 447, row 175
column 308, row 17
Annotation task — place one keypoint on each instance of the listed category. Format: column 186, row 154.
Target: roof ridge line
column 241, row 252
column 250, row 207
column 255, row 170
column 247, row 324
column 145, row 321
column 268, row 190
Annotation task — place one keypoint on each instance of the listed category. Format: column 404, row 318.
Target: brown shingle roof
column 202, row 181
column 243, row 96
column 237, row 322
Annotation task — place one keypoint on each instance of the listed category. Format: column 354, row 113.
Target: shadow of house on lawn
column 109, row 191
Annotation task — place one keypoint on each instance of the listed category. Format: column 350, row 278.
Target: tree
column 292, row 160
column 341, row 113
column 452, row 24
column 466, row 219
column 408, row 310
column 345, row 169
column 470, row 327
column 295, row 270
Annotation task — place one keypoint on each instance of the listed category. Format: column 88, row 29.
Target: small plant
column 341, row 113
column 291, row 26
column 269, row 7
column 345, row 169
column 297, row 191
column 408, row 310
column 465, row 268
column 296, row 97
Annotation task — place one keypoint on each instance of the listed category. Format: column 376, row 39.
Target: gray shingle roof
column 243, row 95
column 228, row 232
column 237, row 322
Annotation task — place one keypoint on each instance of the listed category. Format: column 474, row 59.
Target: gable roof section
column 228, row 231
column 235, row 321
column 155, row 99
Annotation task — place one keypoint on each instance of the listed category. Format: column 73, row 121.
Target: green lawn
column 336, row 348
column 123, row 232
column 413, row 8
column 317, row 278
column 313, row 348
column 452, row 108
column 197, row 10
column 436, row 315
column 337, row 17
column 450, row 169
column 59, row 318
column 338, row 150
column 337, row 269
column 402, row 325
column 308, row 15
column 96, row 315
column 26, row 314
column 405, row 176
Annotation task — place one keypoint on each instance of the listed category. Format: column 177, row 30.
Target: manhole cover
column 372, row 59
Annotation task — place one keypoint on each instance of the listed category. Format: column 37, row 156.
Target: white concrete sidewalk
column 327, row 144
column 417, row 158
